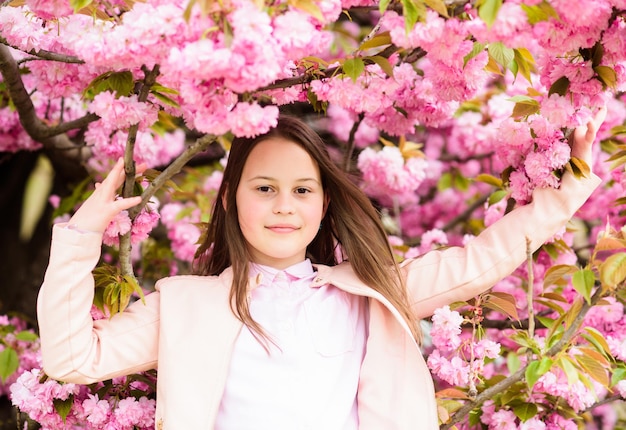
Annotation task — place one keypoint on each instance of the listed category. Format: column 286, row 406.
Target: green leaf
column 488, row 11
column 501, row 302
column 513, row 362
column 541, row 12
column 557, row 273
column 619, row 373
column 618, row 129
column 536, row 369
column 381, row 39
column 568, row 367
column 309, row 7
column 560, row 86
column 9, row 362
column 382, row 6
column 583, row 281
column 35, row 197
column 607, row 76
column 445, row 182
column 26, row 336
column 526, row 107
column 579, row 168
column 524, row 60
column 122, row 83
column 79, row 4
column 502, row 54
column 497, row 196
column 613, row 270
column 438, row 6
column 383, row 63
column 594, row 364
column 596, row 338
column 63, row 407
column 525, row 411
column 353, row 67
column 476, row 49
column 165, row 99
column 489, row 179
column 413, row 11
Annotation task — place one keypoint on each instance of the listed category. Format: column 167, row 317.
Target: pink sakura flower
column 454, row 371
column 50, row 9
column 122, row 112
column 446, row 329
column 537, row 167
column 432, row 239
column 182, row 231
column 502, row 420
column 145, row 221
column 386, row 174
column 119, row 225
column 558, row 422
column 621, row 388
column 486, row 348
column 131, row 412
column 614, row 41
column 609, row 312
column 213, row 181
column 521, row 188
column 340, row 122
column 251, row 119
column 96, row 411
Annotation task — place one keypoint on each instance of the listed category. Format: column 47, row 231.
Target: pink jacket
column 187, row 330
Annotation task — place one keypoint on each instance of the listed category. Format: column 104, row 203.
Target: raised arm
column 74, row 347
column 459, row 273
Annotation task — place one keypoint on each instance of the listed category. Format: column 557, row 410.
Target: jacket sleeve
column 74, row 347
column 438, row 278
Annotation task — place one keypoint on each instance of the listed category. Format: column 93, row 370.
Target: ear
column 326, row 203
column 224, row 199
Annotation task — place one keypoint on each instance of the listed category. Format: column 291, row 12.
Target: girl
column 299, row 317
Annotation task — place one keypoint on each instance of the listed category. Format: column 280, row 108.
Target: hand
column 102, row 206
column 585, row 135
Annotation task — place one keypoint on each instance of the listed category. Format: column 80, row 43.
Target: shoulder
column 181, row 283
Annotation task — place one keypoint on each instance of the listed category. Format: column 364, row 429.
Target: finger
column 115, row 178
column 600, row 117
column 127, row 203
column 141, row 168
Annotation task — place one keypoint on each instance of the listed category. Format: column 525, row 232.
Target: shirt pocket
column 332, row 322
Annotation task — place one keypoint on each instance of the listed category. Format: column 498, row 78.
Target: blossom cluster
column 536, row 151
column 455, row 360
column 38, row 396
column 387, row 175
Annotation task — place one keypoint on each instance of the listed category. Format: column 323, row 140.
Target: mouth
column 282, row 228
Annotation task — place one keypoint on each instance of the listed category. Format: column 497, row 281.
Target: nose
column 283, row 203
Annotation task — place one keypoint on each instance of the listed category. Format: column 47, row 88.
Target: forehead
column 276, row 155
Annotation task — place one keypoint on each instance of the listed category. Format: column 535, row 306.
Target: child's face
column 280, row 201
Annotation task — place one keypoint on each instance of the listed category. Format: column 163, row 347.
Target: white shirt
column 310, row 378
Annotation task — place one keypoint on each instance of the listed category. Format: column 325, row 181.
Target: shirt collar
column 301, row 270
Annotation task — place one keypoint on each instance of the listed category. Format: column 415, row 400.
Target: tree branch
column 172, row 169
column 347, row 158
column 126, row 264
column 50, row 137
column 504, row 384
column 42, row 54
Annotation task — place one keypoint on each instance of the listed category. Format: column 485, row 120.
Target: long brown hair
column 351, row 222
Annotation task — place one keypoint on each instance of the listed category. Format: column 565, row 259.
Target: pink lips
column 282, row 228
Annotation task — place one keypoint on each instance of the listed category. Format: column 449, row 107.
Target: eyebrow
column 269, row 178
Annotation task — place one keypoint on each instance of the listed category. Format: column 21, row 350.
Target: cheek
column 248, row 213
